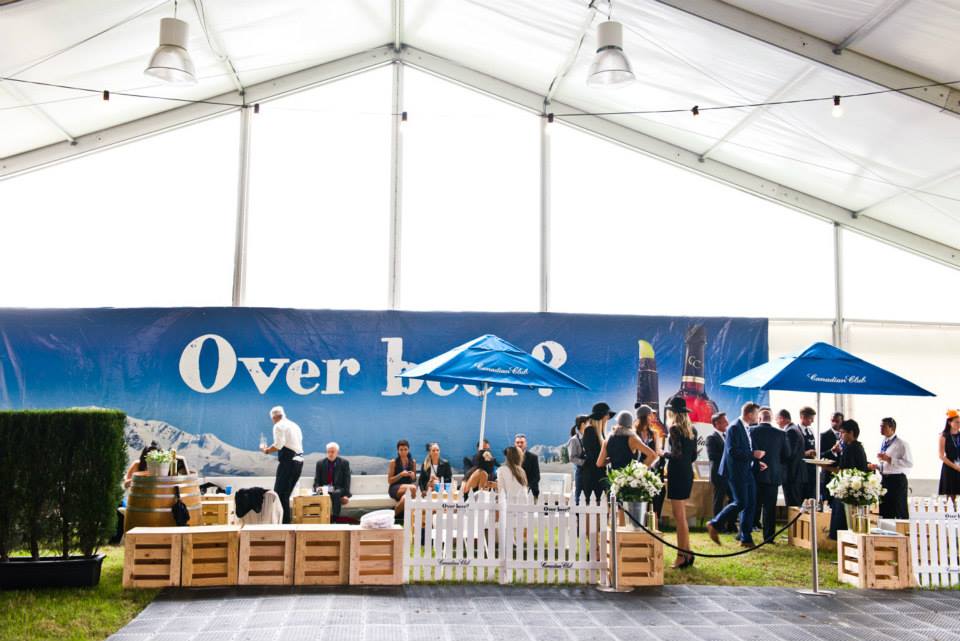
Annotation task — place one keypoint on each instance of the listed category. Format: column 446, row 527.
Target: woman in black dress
column 950, row 455
column 592, row 476
column 851, row 455
column 680, row 458
column 402, row 476
column 624, row 446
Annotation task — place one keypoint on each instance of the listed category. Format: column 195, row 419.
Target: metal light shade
column 171, row 62
column 611, row 67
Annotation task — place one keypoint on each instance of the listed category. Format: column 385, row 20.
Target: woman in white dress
column 511, row 479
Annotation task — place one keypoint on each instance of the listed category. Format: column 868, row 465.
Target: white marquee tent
column 330, row 170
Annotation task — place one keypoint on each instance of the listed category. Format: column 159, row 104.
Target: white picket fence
column 487, row 539
column 934, row 531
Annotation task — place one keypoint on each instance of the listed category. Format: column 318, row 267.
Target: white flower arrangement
column 159, row 456
column 635, row 482
column 854, row 487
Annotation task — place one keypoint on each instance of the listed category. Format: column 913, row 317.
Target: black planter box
column 72, row 572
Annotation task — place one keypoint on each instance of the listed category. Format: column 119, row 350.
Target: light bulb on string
column 837, row 111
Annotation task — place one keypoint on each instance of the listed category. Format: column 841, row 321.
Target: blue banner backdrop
column 204, row 379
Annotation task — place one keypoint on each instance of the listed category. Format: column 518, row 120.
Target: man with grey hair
column 288, row 443
column 333, row 478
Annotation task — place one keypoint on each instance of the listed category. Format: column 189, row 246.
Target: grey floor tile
column 300, row 633
column 506, row 633
column 588, row 633
column 341, row 633
column 253, row 635
column 713, row 633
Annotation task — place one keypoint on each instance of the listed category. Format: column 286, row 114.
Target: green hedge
column 60, row 479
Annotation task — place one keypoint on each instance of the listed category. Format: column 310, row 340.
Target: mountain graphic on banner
column 211, row 456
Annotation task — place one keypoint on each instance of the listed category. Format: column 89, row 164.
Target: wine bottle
column 693, row 380
column 648, row 386
column 172, row 471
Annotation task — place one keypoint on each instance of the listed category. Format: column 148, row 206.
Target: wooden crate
column 376, row 556
column 873, row 561
column 321, row 554
column 639, row 559
column 210, row 555
column 151, row 557
column 214, row 512
column 266, row 555
column 311, row 509
column 799, row 532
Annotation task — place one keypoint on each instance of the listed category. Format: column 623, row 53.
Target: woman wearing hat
column 593, row 476
column 680, row 458
column 950, row 455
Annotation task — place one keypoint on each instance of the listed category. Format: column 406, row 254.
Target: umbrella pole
column 483, row 414
column 814, row 532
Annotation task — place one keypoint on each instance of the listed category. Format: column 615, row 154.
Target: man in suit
column 895, row 462
column 737, row 465
column 793, row 470
column 333, row 473
column 808, row 474
column 721, row 489
column 828, row 439
column 531, row 464
column 769, row 470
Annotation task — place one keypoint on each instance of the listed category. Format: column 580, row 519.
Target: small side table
column 312, row 510
column 874, row 561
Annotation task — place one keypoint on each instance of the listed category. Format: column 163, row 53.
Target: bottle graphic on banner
column 692, row 382
column 648, row 386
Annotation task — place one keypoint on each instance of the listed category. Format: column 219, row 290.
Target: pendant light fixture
column 610, row 68
column 171, row 61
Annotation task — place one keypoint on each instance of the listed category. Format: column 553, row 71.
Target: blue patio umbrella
column 492, row 362
column 823, row 368
column 827, row 369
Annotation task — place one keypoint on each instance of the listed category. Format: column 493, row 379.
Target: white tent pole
column 816, row 591
column 483, row 414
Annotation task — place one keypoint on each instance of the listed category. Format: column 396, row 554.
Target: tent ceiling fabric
column 888, row 158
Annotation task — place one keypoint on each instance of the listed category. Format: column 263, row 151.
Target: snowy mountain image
column 208, row 455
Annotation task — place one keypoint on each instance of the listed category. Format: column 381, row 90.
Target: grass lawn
column 73, row 614
column 779, row 565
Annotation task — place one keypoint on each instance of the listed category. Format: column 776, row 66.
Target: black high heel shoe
column 688, row 562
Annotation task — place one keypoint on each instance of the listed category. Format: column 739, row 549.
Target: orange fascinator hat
column 951, row 414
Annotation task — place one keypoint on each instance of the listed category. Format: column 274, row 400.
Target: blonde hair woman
column 680, row 458
column 511, row 479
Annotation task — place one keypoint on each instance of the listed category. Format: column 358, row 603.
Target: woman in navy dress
column 401, row 475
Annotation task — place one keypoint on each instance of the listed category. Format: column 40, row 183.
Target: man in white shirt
column 288, row 443
column 895, row 462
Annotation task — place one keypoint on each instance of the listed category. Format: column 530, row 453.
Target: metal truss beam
column 190, row 113
column 826, row 53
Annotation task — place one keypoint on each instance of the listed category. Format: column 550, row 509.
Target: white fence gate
column 484, row 538
column 934, row 529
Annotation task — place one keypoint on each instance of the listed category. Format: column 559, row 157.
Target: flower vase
column 637, row 511
column 857, row 520
column 156, row 468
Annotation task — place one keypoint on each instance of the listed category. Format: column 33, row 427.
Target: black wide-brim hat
column 601, row 410
column 678, row 406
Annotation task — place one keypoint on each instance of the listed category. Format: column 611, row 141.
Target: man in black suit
column 769, row 469
column 829, row 438
column 794, row 469
column 721, row 487
column 333, row 474
column 531, row 464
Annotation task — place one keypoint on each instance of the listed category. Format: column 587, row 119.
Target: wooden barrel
column 152, row 497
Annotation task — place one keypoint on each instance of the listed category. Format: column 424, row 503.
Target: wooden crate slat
column 873, row 561
column 152, row 558
column 376, row 556
column 322, row 555
column 210, row 555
